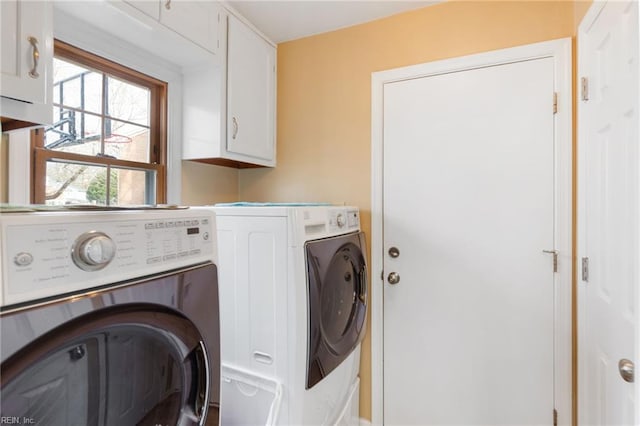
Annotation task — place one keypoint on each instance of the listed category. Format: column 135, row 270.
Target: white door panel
column 608, row 215
column 469, row 201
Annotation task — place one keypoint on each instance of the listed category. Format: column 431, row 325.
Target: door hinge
column 555, row 258
column 585, row 269
column 555, row 102
column 584, row 88
column 555, row 417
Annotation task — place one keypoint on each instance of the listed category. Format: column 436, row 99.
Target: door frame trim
column 561, row 51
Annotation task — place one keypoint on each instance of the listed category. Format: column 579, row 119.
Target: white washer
column 279, row 365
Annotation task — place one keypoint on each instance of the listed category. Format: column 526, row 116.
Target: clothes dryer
column 293, row 297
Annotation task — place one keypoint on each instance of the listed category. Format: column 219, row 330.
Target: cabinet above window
column 184, row 34
column 195, row 20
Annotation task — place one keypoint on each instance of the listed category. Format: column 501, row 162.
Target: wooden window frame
column 157, row 127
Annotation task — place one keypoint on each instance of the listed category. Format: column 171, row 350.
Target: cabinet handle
column 36, row 57
column 167, row 4
column 235, row 127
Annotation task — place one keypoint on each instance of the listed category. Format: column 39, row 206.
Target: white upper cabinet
column 26, row 60
column 195, row 20
column 250, row 93
column 229, row 103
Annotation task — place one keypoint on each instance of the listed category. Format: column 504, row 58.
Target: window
column 107, row 144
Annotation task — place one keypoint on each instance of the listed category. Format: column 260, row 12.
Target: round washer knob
column 340, row 220
column 93, row 251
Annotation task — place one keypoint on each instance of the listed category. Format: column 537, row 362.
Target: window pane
column 74, row 131
column 132, row 186
column 77, row 87
column 72, row 183
column 93, row 92
column 68, row 183
column 126, row 141
column 128, row 102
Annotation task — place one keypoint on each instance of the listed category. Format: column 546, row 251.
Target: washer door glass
column 337, row 291
column 132, row 366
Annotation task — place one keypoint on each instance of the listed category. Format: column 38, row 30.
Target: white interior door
column 469, row 203
column 608, row 212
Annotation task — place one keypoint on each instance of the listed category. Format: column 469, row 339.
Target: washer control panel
column 51, row 254
column 93, row 251
column 343, row 219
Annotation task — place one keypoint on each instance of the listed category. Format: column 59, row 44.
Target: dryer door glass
column 341, row 299
column 115, row 367
column 337, row 292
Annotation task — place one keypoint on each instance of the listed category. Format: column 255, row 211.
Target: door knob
column 626, row 369
column 394, row 252
column 393, row 278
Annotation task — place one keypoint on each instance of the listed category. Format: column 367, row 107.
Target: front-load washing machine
column 293, row 307
column 108, row 317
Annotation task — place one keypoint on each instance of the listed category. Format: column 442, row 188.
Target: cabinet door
column 195, row 20
column 26, row 50
column 250, row 93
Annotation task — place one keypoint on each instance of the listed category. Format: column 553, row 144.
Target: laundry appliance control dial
column 340, row 221
column 93, row 251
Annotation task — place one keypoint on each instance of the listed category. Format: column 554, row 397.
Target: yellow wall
column 204, row 184
column 324, row 97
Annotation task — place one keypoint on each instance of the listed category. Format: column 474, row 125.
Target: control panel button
column 340, row 220
column 353, row 219
column 23, row 259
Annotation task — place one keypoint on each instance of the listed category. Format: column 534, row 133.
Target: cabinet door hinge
column 555, row 417
column 584, row 88
column 585, row 269
column 555, row 102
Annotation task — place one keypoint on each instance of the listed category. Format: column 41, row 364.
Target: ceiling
column 285, row 20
